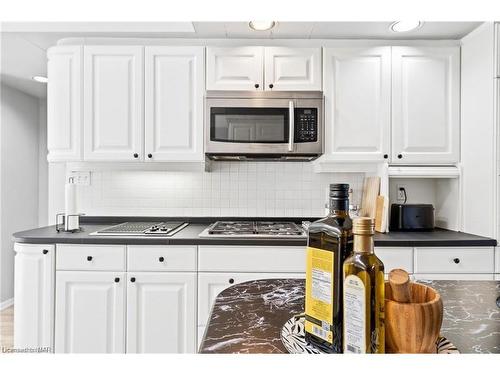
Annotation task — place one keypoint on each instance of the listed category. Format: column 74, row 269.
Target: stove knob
column 163, row 229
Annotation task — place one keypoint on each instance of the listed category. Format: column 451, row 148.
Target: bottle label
column 319, row 293
column 354, row 315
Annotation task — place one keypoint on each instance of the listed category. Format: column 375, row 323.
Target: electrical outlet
column 80, row 177
column 401, row 194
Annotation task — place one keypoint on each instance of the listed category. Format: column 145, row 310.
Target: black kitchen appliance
column 412, row 217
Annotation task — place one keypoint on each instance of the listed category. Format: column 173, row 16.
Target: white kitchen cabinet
column 454, row 260
column 34, row 296
column 453, row 276
column 161, row 312
column 396, row 257
column 497, row 49
column 497, row 259
column 210, row 284
column 64, row 103
column 235, row 68
column 174, row 90
column 90, row 312
column 425, row 105
column 357, row 86
column 292, row 69
column 113, row 103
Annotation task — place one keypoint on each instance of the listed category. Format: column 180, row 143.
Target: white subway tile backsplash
column 230, row 189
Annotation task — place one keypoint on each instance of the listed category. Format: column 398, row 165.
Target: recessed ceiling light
column 404, row 26
column 40, row 79
column 262, row 25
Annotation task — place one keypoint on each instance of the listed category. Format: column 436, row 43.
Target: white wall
column 230, row 189
column 19, row 153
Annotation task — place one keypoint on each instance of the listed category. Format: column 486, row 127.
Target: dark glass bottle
column 329, row 244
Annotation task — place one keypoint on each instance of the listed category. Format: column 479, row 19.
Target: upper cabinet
column 425, row 105
column 239, row 68
column 292, row 68
column 357, row 85
column 113, row 103
column 263, row 68
column 174, row 88
column 64, row 103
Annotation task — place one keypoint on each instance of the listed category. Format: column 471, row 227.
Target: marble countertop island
column 248, row 317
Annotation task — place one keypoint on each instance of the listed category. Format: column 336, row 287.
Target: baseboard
column 7, row 303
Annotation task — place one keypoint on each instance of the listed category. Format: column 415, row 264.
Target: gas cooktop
column 157, row 229
column 252, row 229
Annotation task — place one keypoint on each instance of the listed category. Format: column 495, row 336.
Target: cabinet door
column 425, row 105
column 64, row 103
column 113, row 103
column 396, row 257
column 238, row 68
column 34, row 296
column 174, row 90
column 357, row 86
column 90, row 312
column 161, row 312
column 497, row 49
column 292, row 68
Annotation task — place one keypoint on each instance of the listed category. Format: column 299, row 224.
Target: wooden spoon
column 400, row 285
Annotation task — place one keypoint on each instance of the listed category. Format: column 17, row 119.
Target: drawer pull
column 161, row 259
column 231, row 281
column 132, row 279
column 89, row 258
column 45, row 251
column 117, row 279
column 456, row 260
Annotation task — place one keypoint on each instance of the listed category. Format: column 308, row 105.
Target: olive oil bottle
column 363, row 293
column 329, row 243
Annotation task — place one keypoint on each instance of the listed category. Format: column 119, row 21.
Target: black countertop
column 190, row 235
column 248, row 317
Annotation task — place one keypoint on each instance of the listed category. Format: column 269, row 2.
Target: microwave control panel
column 306, row 125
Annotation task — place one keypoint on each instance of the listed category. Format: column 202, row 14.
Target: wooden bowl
column 413, row 327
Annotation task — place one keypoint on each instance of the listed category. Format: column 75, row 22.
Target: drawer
column 161, row 258
column 454, row 260
column 90, row 257
column 252, row 258
column 452, row 276
column 396, row 257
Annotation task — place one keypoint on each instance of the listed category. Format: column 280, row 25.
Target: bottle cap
column 363, row 225
column 339, row 191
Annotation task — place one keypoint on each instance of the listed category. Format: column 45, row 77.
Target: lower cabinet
column 453, row 276
column 161, row 314
column 90, row 312
column 396, row 257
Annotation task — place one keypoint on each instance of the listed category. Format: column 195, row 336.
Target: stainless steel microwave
column 275, row 125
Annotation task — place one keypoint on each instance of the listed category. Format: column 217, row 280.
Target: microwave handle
column 291, row 125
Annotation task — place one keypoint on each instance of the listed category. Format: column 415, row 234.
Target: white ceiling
column 24, row 45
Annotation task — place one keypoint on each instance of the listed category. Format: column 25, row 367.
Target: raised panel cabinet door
column 425, row 105
column 113, row 103
column 64, row 103
column 174, row 89
column 161, row 312
column 235, row 68
column 357, row 86
column 210, row 284
column 34, row 280
column 292, row 68
column 90, row 312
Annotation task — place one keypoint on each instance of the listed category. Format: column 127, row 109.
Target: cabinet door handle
column 117, row 279
column 256, row 85
column 161, row 259
column 89, row 258
column 132, row 279
column 400, row 156
column 271, row 85
column 386, row 156
column 231, row 281
column 456, row 260
column 136, row 155
column 150, row 156
column 45, row 251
